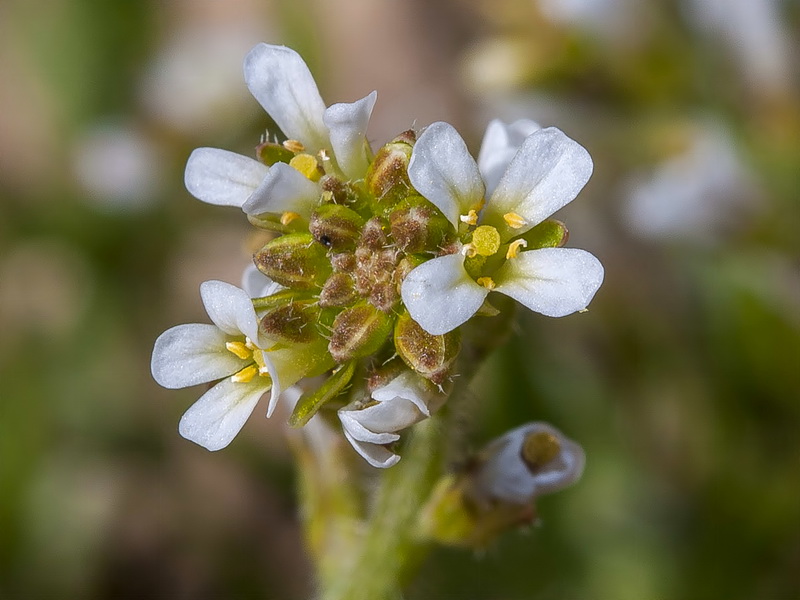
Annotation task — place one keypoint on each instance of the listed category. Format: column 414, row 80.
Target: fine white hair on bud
column 527, row 462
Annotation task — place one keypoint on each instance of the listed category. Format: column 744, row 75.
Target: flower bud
column 339, row 291
column 374, row 234
column 429, row 355
column 387, row 178
column 336, row 226
column 295, row 322
column 295, row 261
column 359, row 331
column 418, row 226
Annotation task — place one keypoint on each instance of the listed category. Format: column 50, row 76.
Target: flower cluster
column 378, row 259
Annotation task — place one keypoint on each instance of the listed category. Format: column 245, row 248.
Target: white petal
column 442, row 170
column 353, row 426
column 256, row 284
column 347, row 124
column 375, row 455
column 440, row 295
column 284, row 189
column 548, row 172
column 552, row 281
column 215, row 419
column 230, row 308
column 190, row 354
column 411, row 387
column 281, row 82
column 221, row 177
column 500, row 144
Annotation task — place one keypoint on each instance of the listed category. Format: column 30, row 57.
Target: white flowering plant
column 370, row 307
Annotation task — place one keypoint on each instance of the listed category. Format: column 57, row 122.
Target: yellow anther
column 471, row 218
column 258, row 357
column 307, row 165
column 514, row 221
column 245, row 375
column 486, row 240
column 294, row 146
column 487, row 282
column 513, row 248
column 288, row 217
column 239, row 349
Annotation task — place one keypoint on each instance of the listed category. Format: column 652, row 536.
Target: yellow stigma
column 239, row 349
column 471, row 218
column 486, row 240
column 288, row 217
column 540, row 448
column 514, row 221
column 245, row 375
column 307, row 165
column 513, row 248
column 487, row 282
column 294, row 146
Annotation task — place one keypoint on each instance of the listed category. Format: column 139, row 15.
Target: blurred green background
column 682, row 382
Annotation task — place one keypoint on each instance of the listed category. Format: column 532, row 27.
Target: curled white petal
column 413, row 388
column 284, row 189
column 347, row 124
column 186, row 355
column 440, row 295
column 552, row 281
column 376, row 455
column 500, row 144
column 281, row 82
column 221, row 177
column 505, row 475
column 353, row 425
column 256, row 284
column 230, row 308
column 215, row 419
column 444, row 172
column 546, row 173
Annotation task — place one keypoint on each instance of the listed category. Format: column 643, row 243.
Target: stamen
column 487, row 282
column 239, row 349
column 513, row 248
column 245, row 375
column 514, row 221
column 471, row 218
column 468, row 250
column 294, row 146
column 288, row 217
column 307, row 165
column 486, row 240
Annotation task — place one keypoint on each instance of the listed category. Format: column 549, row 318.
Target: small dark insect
column 325, row 241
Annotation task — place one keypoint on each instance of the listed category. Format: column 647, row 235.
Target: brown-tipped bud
column 336, row 227
column 374, row 235
column 359, row 331
column 418, row 226
column 338, row 291
column 344, row 262
column 404, row 267
column 270, row 153
column 429, row 355
column 336, row 187
column 295, row 261
column 387, row 178
column 384, row 295
column 295, row 322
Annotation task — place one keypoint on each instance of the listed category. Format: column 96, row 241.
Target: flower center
column 247, row 350
column 485, row 240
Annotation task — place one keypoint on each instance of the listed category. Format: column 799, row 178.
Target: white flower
column 547, row 172
column 404, row 401
column 526, row 462
column 283, row 85
column 232, row 350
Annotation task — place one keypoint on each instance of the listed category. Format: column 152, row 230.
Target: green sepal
column 295, row 261
column 309, row 404
column 547, row 234
column 270, row 153
column 359, row 331
column 336, row 227
column 430, row 356
column 278, row 299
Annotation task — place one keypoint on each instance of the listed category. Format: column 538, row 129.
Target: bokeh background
column 682, row 382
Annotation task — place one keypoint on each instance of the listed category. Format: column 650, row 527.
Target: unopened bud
column 418, row 226
column 429, row 355
column 387, row 178
column 359, row 331
column 295, row 322
column 339, row 291
column 335, row 187
column 374, row 235
column 295, row 261
column 336, row 226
